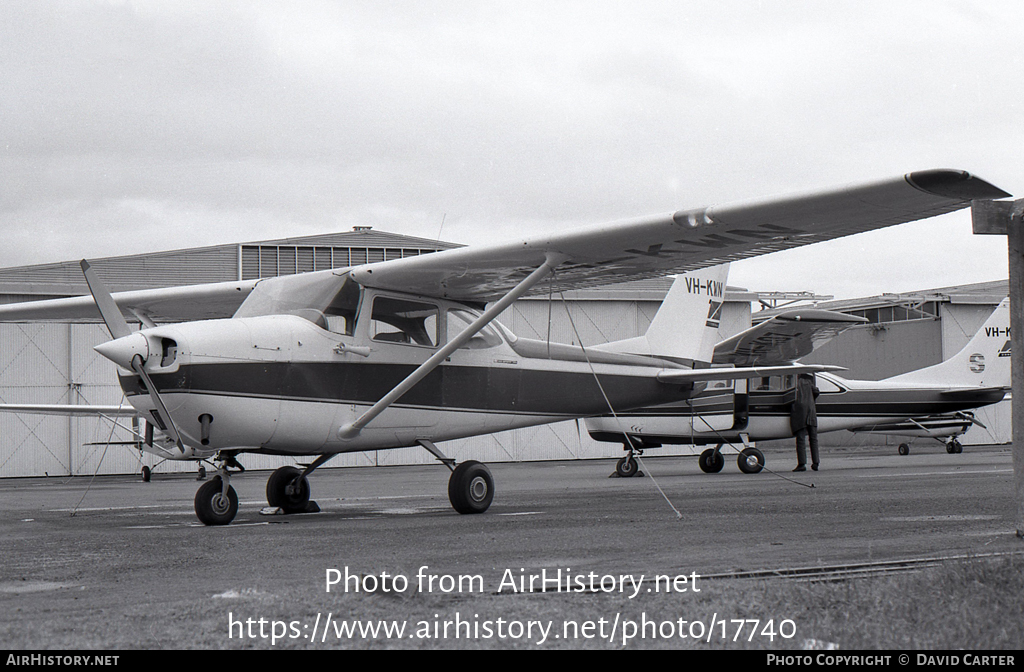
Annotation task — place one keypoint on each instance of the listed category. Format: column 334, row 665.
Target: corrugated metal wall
column 876, row 351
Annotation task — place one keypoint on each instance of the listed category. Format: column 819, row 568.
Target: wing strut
column 352, row 429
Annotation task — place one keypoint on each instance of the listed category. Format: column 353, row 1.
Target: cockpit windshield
column 329, row 299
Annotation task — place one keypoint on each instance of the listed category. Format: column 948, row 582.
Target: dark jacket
column 802, row 414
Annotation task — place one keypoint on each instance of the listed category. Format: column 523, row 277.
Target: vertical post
column 72, row 398
column 1007, row 218
column 1015, row 246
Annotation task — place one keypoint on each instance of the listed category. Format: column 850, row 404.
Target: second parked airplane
column 932, row 401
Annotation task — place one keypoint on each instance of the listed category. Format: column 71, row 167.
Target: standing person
column 803, row 420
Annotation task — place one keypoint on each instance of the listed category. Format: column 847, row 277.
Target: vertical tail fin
column 983, row 362
column 686, row 325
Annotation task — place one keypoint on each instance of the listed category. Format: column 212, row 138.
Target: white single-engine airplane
column 930, row 402
column 403, row 353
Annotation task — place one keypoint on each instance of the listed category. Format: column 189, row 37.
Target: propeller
column 127, row 347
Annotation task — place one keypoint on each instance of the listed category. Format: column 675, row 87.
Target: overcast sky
column 130, row 127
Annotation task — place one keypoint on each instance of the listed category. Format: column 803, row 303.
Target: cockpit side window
column 402, row 321
column 328, row 299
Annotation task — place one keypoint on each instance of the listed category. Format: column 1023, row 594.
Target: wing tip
column 957, row 184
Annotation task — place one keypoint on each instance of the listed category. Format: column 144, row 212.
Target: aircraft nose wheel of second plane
column 711, row 461
column 627, row 466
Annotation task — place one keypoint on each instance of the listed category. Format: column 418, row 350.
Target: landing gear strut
column 470, row 487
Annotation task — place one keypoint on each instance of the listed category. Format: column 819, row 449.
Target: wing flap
column 784, row 338
column 169, row 304
column 71, row 410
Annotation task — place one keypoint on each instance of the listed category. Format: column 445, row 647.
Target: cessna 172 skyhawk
column 403, row 353
column 927, row 402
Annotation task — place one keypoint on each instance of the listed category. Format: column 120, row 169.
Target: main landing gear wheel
column 213, row 507
column 750, row 460
column 278, row 489
column 626, row 467
column 711, row 461
column 147, row 473
column 904, row 449
column 471, row 487
column 954, row 447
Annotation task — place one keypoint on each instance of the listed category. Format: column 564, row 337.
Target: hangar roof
column 215, row 263
column 921, row 301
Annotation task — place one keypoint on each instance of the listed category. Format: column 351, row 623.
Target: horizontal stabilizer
column 702, row 375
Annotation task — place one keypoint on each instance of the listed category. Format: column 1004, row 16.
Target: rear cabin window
column 773, row 383
column 403, row 321
column 826, row 386
column 459, row 320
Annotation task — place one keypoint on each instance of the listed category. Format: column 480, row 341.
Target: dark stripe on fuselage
column 859, row 403
column 486, row 389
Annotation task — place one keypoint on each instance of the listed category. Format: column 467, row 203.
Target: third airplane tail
column 983, row 362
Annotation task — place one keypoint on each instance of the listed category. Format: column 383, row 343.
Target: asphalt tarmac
column 82, row 546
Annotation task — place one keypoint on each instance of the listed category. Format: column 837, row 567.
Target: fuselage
column 286, row 384
column 723, row 412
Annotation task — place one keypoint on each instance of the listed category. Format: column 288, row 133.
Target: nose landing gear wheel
column 471, row 487
column 626, row 467
column 711, row 461
column 212, row 506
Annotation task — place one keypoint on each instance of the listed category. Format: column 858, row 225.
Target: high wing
column 170, row 304
column 680, row 241
column 595, row 255
column 71, row 409
column 784, row 338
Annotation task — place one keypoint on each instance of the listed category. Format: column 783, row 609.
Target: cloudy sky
column 138, row 126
